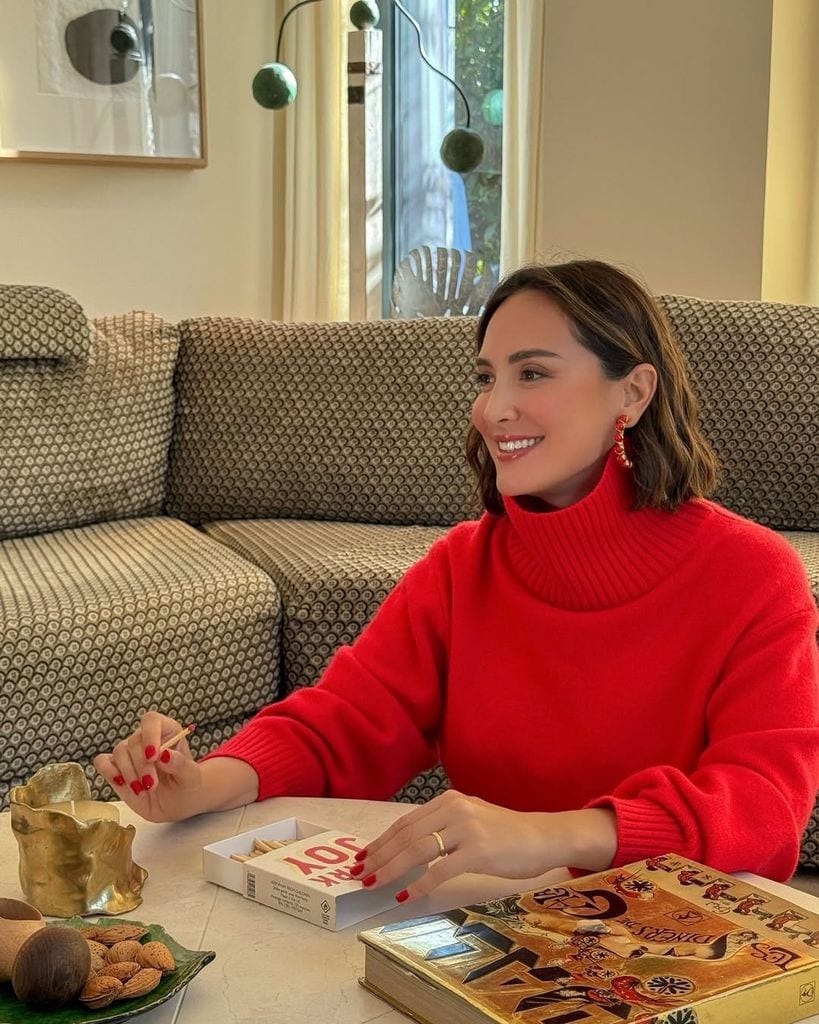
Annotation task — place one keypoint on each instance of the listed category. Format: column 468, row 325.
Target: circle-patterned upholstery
column 103, row 622
column 86, row 441
column 755, row 366
column 807, row 547
column 359, row 422
column 332, row 577
column 807, row 544
column 756, row 370
column 809, row 853
column 365, row 422
column 41, row 323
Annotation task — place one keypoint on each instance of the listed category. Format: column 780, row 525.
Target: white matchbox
column 308, row 878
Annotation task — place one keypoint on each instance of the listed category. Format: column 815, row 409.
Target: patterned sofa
column 195, row 516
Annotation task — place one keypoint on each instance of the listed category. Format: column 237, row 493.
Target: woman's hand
column 481, row 837
column 170, row 786
column 159, row 787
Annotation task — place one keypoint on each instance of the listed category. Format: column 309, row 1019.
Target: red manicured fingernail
column 356, row 869
column 401, row 896
column 150, row 752
column 165, row 756
column 118, row 780
column 369, row 880
column 136, row 786
column 147, row 782
column 361, row 854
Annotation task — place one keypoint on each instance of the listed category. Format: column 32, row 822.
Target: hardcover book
column 662, row 941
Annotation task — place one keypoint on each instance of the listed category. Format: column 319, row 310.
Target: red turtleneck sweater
column 660, row 664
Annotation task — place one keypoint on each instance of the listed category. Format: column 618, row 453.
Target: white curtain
column 790, row 254
column 310, row 238
column 523, row 230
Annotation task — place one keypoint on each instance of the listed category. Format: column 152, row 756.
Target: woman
column 609, row 665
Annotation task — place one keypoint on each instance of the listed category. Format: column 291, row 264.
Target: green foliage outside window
column 479, row 71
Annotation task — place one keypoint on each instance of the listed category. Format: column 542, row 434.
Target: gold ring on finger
column 442, row 850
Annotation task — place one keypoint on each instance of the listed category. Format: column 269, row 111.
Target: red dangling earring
column 619, row 443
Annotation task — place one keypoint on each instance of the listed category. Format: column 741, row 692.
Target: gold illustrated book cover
column 662, row 941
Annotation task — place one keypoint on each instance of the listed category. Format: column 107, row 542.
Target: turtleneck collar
column 598, row 553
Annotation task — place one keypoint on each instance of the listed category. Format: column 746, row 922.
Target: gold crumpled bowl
column 70, row 867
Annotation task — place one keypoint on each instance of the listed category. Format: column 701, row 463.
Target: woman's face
column 545, row 410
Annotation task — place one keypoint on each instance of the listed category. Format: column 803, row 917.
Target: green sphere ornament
column 364, row 14
column 462, row 150
column 493, row 107
column 274, row 86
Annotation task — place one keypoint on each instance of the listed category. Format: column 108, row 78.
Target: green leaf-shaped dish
column 189, row 962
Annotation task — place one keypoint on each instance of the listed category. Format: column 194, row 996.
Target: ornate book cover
column 662, row 941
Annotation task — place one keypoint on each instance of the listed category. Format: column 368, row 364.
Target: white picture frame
column 102, row 81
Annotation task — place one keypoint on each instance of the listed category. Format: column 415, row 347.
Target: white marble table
column 269, row 968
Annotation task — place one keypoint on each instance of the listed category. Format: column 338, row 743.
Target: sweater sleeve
column 372, row 721
column 747, row 801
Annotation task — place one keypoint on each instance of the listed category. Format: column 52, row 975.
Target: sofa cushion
column 809, row 849
column 807, row 547
column 41, row 323
column 754, row 365
column 356, row 422
column 332, row 578
column 807, row 544
column 84, row 440
column 381, row 408
column 104, row 622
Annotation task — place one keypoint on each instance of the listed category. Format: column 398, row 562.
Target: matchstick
column 175, row 739
column 260, row 846
column 265, row 846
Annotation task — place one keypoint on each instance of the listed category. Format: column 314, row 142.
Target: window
column 426, row 204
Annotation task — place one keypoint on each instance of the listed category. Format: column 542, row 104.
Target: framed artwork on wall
column 102, row 81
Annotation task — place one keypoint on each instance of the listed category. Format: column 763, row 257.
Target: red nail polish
column 147, row 782
column 150, row 752
column 136, row 786
column 401, row 896
column 118, row 780
column 369, row 880
column 356, row 869
column 361, row 854
column 165, row 756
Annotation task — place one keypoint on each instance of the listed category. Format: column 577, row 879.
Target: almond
column 143, row 982
column 127, row 950
column 158, row 956
column 97, row 963
column 99, row 992
column 123, row 970
column 117, row 933
column 97, row 948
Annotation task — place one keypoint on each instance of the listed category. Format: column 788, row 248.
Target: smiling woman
column 610, row 665
column 583, row 369
column 545, row 415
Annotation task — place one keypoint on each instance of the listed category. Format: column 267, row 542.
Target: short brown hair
column 616, row 319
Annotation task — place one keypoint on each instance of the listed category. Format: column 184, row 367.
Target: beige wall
column 180, row 242
column 654, row 145
column 656, row 135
